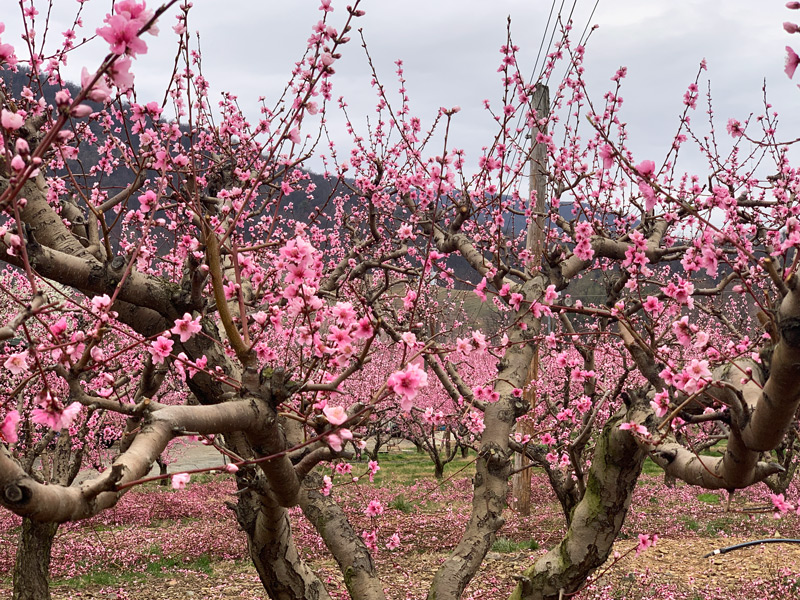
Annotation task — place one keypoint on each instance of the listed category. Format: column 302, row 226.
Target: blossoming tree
column 250, row 315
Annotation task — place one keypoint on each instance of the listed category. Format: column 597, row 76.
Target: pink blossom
column 81, row 111
column 409, row 299
column 17, row 363
column 649, row 196
column 547, row 439
column 8, row 430
column 404, row 232
column 12, row 120
column 363, row 330
column 336, row 415
column 327, row 485
column 231, row 468
column 160, row 349
column 607, row 155
column 734, row 128
column 407, row 383
column 409, row 338
column 186, row 327
column 790, row 27
column 780, row 503
column 120, row 73
column 478, row 340
column 792, row 60
column 515, row 301
column 646, row 540
column 646, row 168
column 474, row 422
column 179, row 480
column 336, row 440
column 374, row 508
column 373, row 467
column 344, row 313
column 122, row 28
column 660, row 403
column 58, row 327
column 100, row 92
column 550, row 295
column 635, row 427
column 479, row 290
column 101, row 304
column 394, row 542
column 793, row 5
column 52, row 415
column 370, row 539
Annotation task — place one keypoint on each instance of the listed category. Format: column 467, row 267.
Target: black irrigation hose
column 755, row 543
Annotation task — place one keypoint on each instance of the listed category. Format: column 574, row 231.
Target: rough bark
column 346, row 546
column 32, row 565
column 283, row 573
column 596, row 520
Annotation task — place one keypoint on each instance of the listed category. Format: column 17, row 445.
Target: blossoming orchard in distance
column 190, row 278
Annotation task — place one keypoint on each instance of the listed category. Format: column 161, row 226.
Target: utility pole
column 521, row 481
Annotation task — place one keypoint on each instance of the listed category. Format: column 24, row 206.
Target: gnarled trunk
column 32, row 566
column 346, row 546
column 596, row 520
column 283, row 573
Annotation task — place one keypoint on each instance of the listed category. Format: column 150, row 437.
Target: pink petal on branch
column 792, row 60
column 17, row 363
column 179, row 480
column 12, row 120
column 336, row 415
column 8, row 430
column 646, row 168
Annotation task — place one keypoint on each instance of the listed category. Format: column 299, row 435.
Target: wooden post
column 521, row 481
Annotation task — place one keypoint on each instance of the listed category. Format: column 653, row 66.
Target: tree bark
column 346, row 546
column 32, row 566
column 596, row 520
column 283, row 573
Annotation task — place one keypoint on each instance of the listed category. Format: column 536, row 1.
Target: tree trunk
column 347, row 548
column 32, row 566
column 596, row 520
column 283, row 573
column 438, row 469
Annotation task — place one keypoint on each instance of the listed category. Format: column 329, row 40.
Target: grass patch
column 400, row 503
column 651, row 468
column 690, row 523
column 166, row 563
column 714, row 526
column 708, row 498
column 407, row 468
column 160, row 567
column 505, row 545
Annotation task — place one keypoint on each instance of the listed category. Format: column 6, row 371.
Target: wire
column 755, row 543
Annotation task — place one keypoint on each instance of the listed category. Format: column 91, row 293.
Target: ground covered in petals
column 164, row 544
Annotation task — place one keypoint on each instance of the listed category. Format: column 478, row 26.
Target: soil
column 675, row 561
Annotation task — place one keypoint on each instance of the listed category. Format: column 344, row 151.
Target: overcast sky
column 451, row 52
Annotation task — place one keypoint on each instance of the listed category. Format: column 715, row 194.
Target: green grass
column 690, row 523
column 400, row 503
column 406, row 468
column 708, row 498
column 161, row 566
column 505, row 545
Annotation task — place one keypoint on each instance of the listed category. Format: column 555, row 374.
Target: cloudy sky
column 450, row 50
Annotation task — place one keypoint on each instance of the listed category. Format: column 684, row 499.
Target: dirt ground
column 675, row 561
